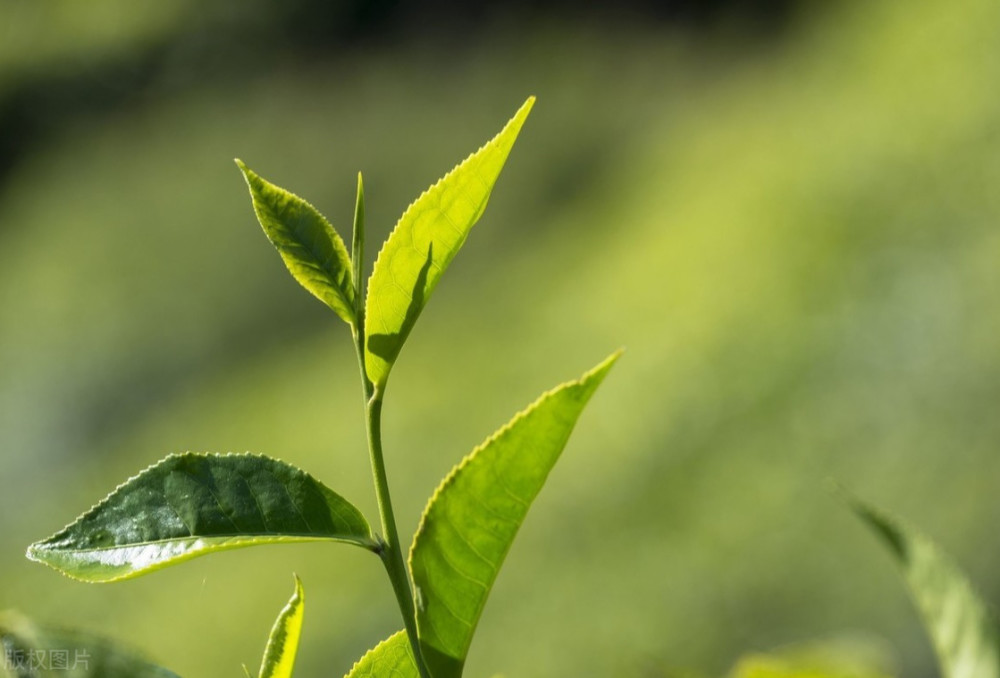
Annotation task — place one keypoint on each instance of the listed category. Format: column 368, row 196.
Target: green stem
column 391, row 551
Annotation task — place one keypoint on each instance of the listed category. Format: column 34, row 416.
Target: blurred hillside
column 788, row 217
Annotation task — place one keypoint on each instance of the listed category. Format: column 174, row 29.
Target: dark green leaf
column 192, row 504
column 311, row 249
column 475, row 514
column 423, row 243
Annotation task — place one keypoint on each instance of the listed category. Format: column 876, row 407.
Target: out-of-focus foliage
column 39, row 36
column 30, row 650
column 831, row 660
column 964, row 631
column 797, row 242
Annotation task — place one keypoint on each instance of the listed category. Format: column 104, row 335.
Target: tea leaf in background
column 31, row 650
column 964, row 632
column 842, row 658
column 472, row 519
column 392, row 658
column 312, row 250
column 283, row 643
column 423, row 243
column 193, row 504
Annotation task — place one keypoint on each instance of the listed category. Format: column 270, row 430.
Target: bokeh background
column 787, row 212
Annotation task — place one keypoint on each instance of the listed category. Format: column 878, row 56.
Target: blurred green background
column 787, row 212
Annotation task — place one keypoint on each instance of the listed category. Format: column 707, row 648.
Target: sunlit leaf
column 423, row 243
column 312, row 250
column 965, row 635
column 283, row 643
column 29, row 650
column 475, row 514
column 192, row 504
column 392, row 658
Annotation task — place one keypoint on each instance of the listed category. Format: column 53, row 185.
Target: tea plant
column 189, row 505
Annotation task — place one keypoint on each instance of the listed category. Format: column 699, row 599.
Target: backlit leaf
column 965, row 635
column 392, row 658
column 423, row 243
column 312, row 250
column 475, row 514
column 283, row 643
column 192, row 504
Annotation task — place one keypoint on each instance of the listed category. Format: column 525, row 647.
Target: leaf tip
column 520, row 116
column 31, row 553
column 860, row 508
column 600, row 371
column 248, row 174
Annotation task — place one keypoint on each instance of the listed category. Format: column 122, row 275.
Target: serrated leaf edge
column 526, row 108
column 386, row 641
column 371, row 544
column 296, row 601
column 337, row 240
column 528, row 104
column 604, row 366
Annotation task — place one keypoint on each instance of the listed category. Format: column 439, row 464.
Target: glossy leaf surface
column 283, row 643
column 475, row 514
column 965, row 635
column 312, row 250
column 192, row 504
column 392, row 658
column 28, row 649
column 423, row 243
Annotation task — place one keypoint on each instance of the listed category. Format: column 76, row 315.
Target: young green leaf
column 423, row 243
column 475, row 514
column 311, row 249
column 28, row 649
column 358, row 246
column 193, row 504
column 283, row 643
column 965, row 635
column 392, row 658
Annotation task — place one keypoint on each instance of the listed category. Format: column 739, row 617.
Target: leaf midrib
column 284, row 536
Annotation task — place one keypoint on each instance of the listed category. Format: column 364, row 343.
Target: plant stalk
column 391, row 551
